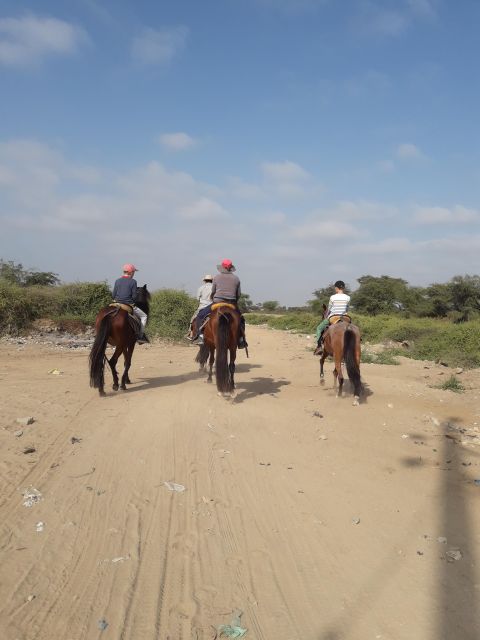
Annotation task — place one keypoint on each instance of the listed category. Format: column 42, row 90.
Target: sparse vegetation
column 452, row 384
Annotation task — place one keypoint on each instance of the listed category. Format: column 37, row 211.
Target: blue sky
column 307, row 140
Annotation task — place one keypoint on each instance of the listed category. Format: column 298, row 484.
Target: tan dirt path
column 317, row 528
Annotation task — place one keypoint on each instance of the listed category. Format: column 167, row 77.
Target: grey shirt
column 204, row 295
column 125, row 290
column 226, row 286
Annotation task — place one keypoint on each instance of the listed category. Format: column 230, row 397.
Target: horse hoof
column 123, row 387
column 102, row 394
column 356, row 401
column 115, row 387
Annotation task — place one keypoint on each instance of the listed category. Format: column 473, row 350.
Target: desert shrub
column 170, row 313
column 452, row 384
column 16, row 308
column 81, row 300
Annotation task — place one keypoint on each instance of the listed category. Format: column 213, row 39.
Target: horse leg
column 210, row 363
column 113, row 366
column 128, row 361
column 231, row 367
column 322, row 360
column 338, row 369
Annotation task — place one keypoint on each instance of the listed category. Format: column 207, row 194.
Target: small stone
column 442, row 540
column 317, row 414
column 356, row 521
column 30, row 598
column 25, row 421
column 454, row 554
column 459, row 370
column 29, row 450
column 102, row 624
column 390, row 405
column 419, row 553
column 18, row 433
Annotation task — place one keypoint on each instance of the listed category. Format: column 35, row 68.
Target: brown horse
column 342, row 342
column 115, row 326
column 221, row 334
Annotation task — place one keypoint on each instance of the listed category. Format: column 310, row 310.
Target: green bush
column 170, row 313
column 452, row 384
column 82, row 300
column 16, row 308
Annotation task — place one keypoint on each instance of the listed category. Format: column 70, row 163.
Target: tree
column 381, row 295
column 245, row 303
column 465, row 296
column 16, row 274
column 270, row 305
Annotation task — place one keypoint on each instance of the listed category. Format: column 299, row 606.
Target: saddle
column 216, row 305
column 121, row 305
column 343, row 318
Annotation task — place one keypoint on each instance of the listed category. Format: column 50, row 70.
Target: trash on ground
column 317, row 414
column 233, row 630
column 30, row 598
column 390, row 405
column 102, row 624
column 173, row 486
column 322, row 437
column 356, row 521
column 31, row 496
column 454, row 554
column 40, row 526
column 74, row 439
column 18, row 433
column 55, row 372
column 477, row 482
column 29, row 450
column 25, row 421
column 120, row 559
column 405, row 436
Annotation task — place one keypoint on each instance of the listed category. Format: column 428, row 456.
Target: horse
column 220, row 334
column 115, row 326
column 342, row 342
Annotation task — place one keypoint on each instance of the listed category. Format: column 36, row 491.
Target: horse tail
column 353, row 367
column 97, row 354
column 202, row 355
column 222, row 372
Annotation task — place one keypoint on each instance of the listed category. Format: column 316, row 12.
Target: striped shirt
column 338, row 304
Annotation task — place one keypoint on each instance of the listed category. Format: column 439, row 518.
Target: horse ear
column 324, row 306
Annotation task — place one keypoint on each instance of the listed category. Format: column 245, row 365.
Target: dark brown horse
column 342, row 342
column 221, row 334
column 114, row 326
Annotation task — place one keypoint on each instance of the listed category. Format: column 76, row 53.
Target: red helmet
column 227, row 264
column 129, row 268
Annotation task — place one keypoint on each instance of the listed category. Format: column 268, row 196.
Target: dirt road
column 316, row 519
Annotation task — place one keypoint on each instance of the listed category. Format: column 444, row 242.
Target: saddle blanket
column 120, row 305
column 216, row 305
column 344, row 318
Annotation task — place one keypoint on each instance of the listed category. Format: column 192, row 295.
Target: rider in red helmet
column 226, row 288
column 125, row 292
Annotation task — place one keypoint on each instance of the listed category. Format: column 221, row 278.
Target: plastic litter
column 356, row 521
column 31, row 496
column 55, row 372
column 477, row 482
column 40, row 526
column 233, row 630
column 173, row 486
column 18, row 433
column 102, row 624
column 25, row 421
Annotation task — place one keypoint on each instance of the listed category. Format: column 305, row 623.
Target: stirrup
column 200, row 340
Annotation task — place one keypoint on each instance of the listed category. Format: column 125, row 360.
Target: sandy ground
column 340, row 525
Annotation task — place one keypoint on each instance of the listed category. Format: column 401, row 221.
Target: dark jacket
column 125, row 290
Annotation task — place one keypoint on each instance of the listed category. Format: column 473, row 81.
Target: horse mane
column 142, row 299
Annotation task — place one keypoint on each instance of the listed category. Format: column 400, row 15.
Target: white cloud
column 177, row 141
column 203, row 210
column 423, row 8
column 442, row 215
column 284, row 171
column 159, row 46
column 28, row 40
column 327, row 229
column 408, row 151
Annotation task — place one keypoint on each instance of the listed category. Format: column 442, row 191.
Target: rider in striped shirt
column 337, row 306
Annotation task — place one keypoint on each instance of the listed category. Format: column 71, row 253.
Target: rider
column 337, row 306
column 204, row 305
column 125, row 292
column 226, row 288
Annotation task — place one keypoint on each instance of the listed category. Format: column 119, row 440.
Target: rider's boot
column 142, row 339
